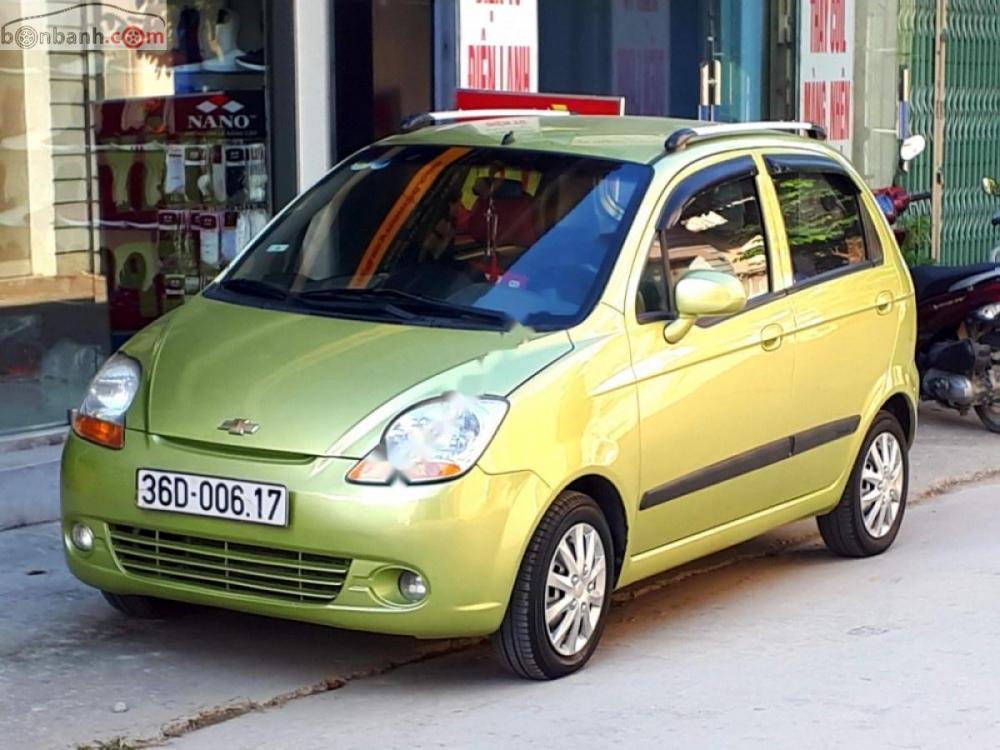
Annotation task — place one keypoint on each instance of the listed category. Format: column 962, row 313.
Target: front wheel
column 867, row 518
column 989, row 415
column 562, row 593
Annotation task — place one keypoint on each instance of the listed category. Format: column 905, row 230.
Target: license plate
column 233, row 499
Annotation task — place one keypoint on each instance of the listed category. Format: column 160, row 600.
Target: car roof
column 624, row 138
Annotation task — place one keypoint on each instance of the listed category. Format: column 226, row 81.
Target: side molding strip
column 751, row 460
column 827, row 433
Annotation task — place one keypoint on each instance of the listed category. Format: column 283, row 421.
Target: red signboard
column 578, row 105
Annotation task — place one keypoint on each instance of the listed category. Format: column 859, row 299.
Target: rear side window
column 823, row 219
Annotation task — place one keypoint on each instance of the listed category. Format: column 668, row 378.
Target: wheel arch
column 902, row 407
column 609, row 499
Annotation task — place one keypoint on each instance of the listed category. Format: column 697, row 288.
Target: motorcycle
column 958, row 323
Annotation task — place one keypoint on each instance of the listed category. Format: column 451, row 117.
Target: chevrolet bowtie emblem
column 239, row 426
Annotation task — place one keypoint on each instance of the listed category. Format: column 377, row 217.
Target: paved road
column 795, row 650
column 66, row 659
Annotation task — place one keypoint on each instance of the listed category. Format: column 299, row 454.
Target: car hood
column 316, row 385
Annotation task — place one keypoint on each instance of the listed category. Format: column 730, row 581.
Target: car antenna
column 508, row 138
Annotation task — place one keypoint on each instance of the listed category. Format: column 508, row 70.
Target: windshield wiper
column 412, row 304
column 350, row 302
column 254, row 288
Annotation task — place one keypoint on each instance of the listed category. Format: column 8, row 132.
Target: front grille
column 229, row 566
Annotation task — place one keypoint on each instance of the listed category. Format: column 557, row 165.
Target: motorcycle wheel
column 989, row 415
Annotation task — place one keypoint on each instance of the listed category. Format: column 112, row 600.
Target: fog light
column 82, row 537
column 412, row 586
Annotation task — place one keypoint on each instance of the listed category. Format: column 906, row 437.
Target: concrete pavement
column 797, row 650
column 69, row 664
column 67, row 659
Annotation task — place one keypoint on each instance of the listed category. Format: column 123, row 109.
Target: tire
column 523, row 644
column 141, row 607
column 989, row 416
column 844, row 529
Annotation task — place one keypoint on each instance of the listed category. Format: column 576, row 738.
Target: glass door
column 734, row 83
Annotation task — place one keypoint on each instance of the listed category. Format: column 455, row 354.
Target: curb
column 36, row 439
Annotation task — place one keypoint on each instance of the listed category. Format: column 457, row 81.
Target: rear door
column 713, row 422
column 846, row 301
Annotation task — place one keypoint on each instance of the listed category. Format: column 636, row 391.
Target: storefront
column 141, row 145
column 654, row 52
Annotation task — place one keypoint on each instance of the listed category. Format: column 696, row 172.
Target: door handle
column 883, row 303
column 771, row 337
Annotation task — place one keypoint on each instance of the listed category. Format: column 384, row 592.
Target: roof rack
column 677, row 140
column 426, row 119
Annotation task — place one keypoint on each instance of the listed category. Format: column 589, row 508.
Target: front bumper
column 465, row 537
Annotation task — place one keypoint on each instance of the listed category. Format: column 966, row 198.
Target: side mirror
column 990, row 186
column 700, row 294
column 911, row 148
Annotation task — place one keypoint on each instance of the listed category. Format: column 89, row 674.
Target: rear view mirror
column 701, row 294
column 911, row 148
column 990, row 186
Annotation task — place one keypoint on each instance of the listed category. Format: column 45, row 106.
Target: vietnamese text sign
column 826, row 67
column 498, row 45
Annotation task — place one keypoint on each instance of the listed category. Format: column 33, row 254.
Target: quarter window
column 822, row 214
column 653, row 298
column 719, row 229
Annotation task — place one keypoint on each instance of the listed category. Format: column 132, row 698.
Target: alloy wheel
column 882, row 484
column 575, row 589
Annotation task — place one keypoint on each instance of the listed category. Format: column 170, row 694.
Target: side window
column 822, row 213
column 718, row 229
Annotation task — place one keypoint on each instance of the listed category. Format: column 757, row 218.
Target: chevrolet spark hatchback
column 484, row 373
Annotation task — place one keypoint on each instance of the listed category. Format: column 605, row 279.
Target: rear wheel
column 561, row 596
column 141, row 607
column 989, row 415
column 867, row 518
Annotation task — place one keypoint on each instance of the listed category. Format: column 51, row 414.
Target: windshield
column 469, row 237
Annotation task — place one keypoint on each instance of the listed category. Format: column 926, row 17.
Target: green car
column 486, row 372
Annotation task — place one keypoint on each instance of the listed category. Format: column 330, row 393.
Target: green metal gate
column 971, row 118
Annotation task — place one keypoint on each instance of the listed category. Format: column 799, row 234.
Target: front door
column 713, row 408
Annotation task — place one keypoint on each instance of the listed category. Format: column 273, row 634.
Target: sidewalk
column 73, row 671
column 29, row 485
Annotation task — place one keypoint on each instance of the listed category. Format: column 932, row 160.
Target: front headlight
column 433, row 441
column 101, row 417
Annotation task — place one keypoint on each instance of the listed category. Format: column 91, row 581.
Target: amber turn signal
column 108, row 434
column 375, row 470
column 425, row 471
column 371, row 470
